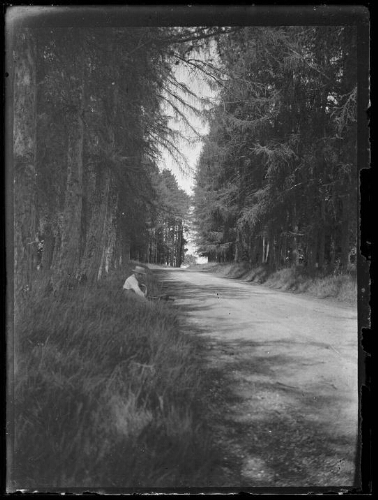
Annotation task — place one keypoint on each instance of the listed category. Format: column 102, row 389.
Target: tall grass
column 107, row 393
column 342, row 286
column 339, row 286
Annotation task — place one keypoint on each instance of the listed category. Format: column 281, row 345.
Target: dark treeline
column 89, row 123
column 277, row 179
column 104, row 390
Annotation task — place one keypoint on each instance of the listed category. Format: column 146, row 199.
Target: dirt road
column 282, row 380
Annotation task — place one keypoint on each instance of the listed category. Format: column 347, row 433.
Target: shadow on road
column 269, row 433
column 275, row 434
column 185, row 291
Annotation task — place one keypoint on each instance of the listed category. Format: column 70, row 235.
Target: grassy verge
column 342, row 287
column 107, row 394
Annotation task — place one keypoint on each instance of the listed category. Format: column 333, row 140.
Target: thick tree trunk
column 108, row 234
column 71, row 219
column 122, row 248
column 24, row 158
column 24, row 181
column 48, row 248
column 95, row 250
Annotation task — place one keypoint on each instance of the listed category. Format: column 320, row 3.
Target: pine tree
column 284, row 169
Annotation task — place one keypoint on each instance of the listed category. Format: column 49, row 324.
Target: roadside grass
column 107, row 393
column 342, row 286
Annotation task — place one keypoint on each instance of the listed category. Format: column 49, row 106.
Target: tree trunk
column 94, row 256
column 263, row 250
column 295, row 226
column 284, row 250
column 48, row 248
column 24, row 181
column 276, row 252
column 344, row 258
column 321, row 237
column 237, row 257
column 107, row 241
column 295, row 251
column 311, row 251
column 71, row 220
column 122, row 248
column 332, row 252
column 179, row 246
column 24, row 158
column 254, row 250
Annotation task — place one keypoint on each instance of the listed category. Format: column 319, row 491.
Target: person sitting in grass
column 133, row 285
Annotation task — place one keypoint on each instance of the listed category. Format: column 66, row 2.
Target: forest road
column 281, row 377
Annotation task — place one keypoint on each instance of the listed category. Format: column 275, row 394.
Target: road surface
column 282, row 380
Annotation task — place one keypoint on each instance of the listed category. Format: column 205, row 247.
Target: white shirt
column 132, row 284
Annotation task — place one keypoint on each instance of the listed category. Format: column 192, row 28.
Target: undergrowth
column 107, row 393
column 341, row 286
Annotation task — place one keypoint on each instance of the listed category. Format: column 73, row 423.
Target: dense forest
column 277, row 178
column 105, row 390
column 91, row 111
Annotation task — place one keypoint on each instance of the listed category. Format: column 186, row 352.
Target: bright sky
column 191, row 151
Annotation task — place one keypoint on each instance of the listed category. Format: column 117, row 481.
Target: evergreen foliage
column 90, row 121
column 277, row 179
